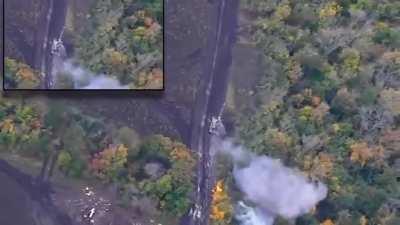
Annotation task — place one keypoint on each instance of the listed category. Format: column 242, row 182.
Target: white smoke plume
column 84, row 79
column 273, row 188
column 252, row 216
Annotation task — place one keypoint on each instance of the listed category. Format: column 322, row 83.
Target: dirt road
column 210, row 102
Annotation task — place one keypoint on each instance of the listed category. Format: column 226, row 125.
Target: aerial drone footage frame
column 71, row 45
column 281, row 112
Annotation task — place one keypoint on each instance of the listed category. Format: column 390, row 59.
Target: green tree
column 129, row 138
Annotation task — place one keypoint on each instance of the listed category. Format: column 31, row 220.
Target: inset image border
column 36, row 53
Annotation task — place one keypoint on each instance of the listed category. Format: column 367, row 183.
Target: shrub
column 386, row 35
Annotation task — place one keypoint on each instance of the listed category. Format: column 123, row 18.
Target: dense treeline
column 329, row 101
column 18, row 75
column 152, row 174
column 124, row 40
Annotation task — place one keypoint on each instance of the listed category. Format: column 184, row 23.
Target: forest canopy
column 327, row 101
column 124, row 40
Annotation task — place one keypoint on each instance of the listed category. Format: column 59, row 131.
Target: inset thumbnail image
column 83, row 44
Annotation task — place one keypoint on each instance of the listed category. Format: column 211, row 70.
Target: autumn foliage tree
column 327, row 222
column 21, row 130
column 221, row 205
column 20, row 75
column 172, row 190
column 327, row 100
column 362, row 153
column 322, row 166
column 124, row 40
column 108, row 163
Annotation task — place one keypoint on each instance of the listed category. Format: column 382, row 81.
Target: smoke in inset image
column 119, row 44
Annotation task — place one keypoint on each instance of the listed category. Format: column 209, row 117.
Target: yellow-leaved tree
column 221, row 208
column 362, row 153
column 322, row 166
column 328, row 222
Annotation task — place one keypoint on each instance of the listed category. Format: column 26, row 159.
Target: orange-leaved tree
column 109, row 162
column 362, row 153
column 221, row 208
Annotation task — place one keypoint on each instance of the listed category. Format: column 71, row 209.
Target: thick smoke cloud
column 252, row 216
column 274, row 188
column 84, row 79
column 278, row 189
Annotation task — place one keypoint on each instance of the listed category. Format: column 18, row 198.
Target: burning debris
column 88, row 216
column 90, row 207
column 88, row 192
